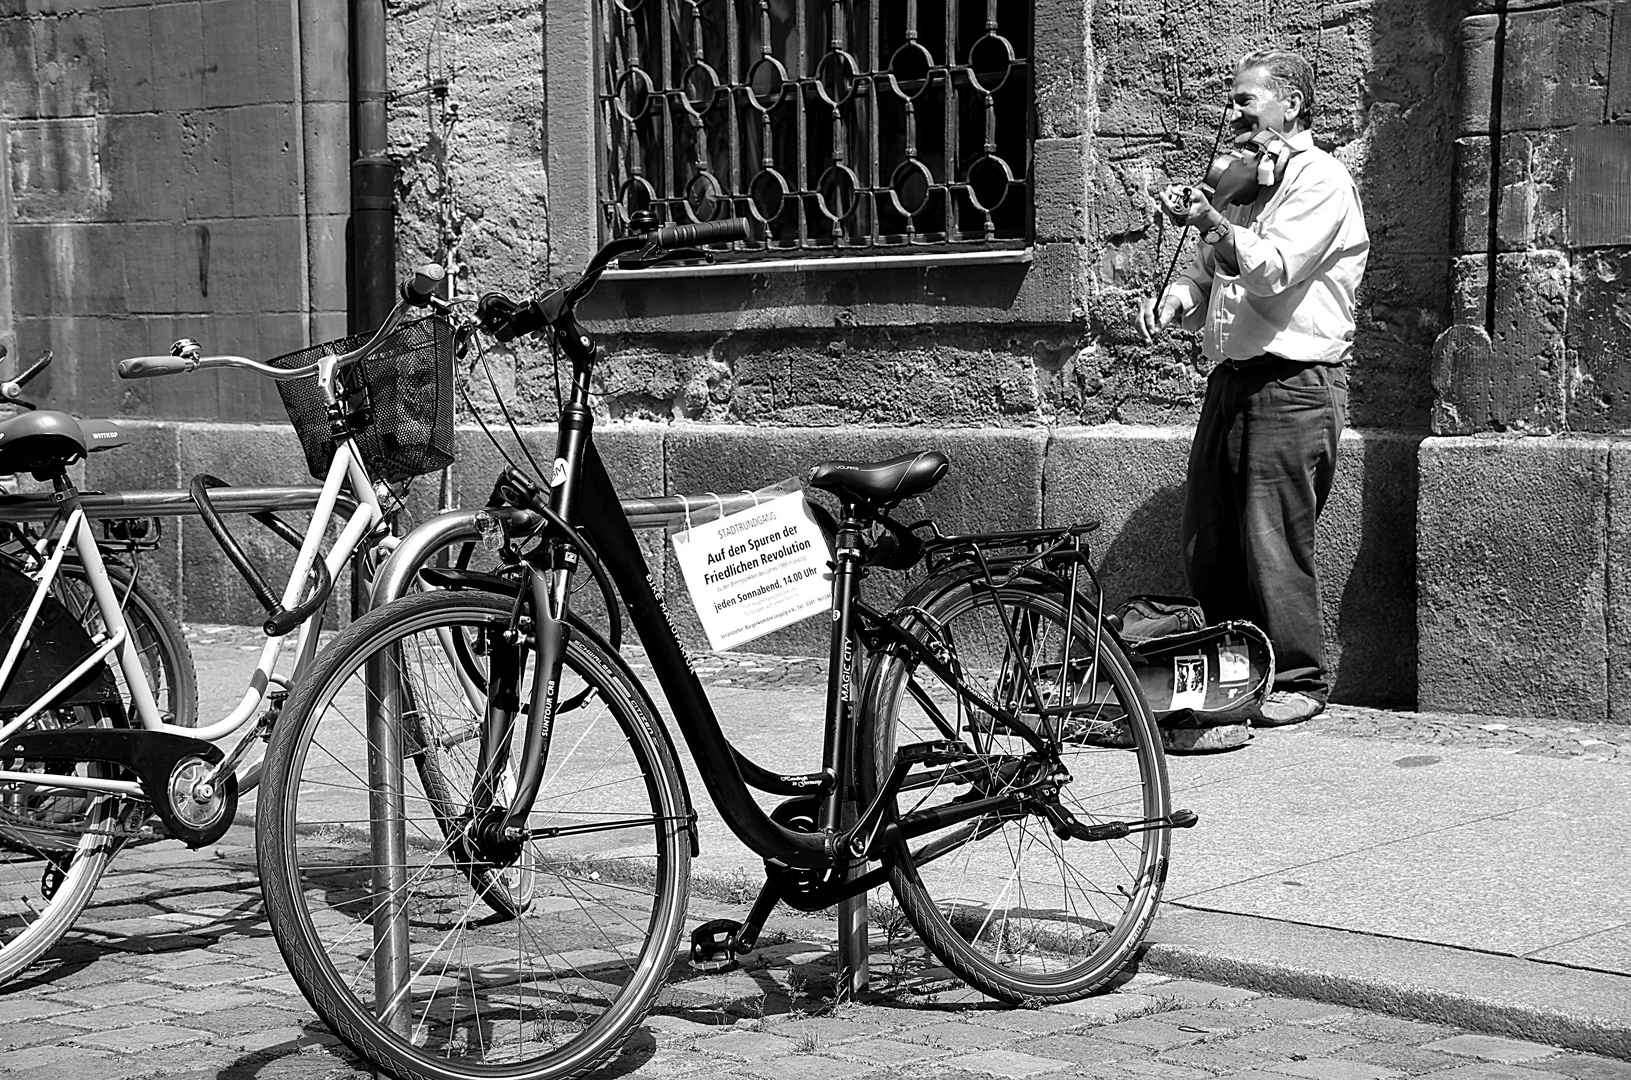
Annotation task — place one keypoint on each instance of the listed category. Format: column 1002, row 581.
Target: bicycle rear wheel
column 548, row 989
column 163, row 649
column 1007, row 905
column 54, row 847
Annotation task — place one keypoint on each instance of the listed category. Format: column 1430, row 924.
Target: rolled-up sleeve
column 1302, row 234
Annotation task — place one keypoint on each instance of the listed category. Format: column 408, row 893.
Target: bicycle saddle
column 882, row 483
column 45, row 441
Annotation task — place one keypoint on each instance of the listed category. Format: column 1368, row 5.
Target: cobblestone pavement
column 173, row 974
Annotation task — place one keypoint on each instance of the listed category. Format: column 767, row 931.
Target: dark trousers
column 1260, row 468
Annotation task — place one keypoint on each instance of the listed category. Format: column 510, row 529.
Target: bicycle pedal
column 714, row 937
column 933, row 752
column 1183, row 819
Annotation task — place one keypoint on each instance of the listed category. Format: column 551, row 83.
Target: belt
column 1263, row 360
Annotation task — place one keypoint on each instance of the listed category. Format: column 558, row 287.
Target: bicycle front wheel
column 1019, row 913
column 399, row 953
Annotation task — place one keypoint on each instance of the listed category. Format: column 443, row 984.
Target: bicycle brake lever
column 645, row 259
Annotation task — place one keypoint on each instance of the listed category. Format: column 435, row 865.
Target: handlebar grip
column 426, row 283
column 33, row 369
column 709, row 232
column 146, row 367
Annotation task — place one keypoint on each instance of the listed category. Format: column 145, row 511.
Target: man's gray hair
column 1287, row 71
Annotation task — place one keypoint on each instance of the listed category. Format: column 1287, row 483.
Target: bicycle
column 161, row 643
column 100, row 743
column 980, row 726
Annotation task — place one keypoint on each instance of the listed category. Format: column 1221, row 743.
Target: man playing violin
column 1272, row 292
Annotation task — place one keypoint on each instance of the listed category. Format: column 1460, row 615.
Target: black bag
column 1205, row 677
column 1148, row 616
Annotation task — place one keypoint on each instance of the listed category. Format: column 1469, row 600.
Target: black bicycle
column 513, row 911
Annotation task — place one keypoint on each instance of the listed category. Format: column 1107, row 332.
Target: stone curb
column 1577, row 1008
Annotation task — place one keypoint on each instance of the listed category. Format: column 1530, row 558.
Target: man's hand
column 1187, row 204
column 1154, row 317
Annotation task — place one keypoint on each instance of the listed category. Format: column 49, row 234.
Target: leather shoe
column 1287, row 707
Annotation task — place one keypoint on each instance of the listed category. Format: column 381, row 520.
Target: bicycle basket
column 398, row 402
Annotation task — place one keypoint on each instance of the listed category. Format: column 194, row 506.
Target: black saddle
column 46, row 441
column 881, row 483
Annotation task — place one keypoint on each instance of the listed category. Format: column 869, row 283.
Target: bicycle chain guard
column 171, row 769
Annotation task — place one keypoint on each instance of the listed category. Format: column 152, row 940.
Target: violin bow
column 1161, row 214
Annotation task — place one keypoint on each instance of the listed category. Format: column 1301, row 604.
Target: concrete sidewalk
column 1456, row 870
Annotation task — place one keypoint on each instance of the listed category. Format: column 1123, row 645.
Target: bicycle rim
column 163, row 650
column 54, row 847
column 1017, row 912
column 548, row 989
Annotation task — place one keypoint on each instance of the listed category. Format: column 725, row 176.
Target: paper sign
column 755, row 571
column 1234, row 665
column 1188, row 682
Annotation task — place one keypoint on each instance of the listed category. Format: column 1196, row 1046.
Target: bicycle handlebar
column 12, row 389
column 506, row 319
column 419, row 291
column 708, row 232
column 148, row 367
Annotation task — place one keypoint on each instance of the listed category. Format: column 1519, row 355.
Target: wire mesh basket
column 398, row 402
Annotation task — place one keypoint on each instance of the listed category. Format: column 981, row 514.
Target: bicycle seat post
column 841, row 811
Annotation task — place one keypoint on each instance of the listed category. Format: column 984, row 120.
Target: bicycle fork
column 500, row 830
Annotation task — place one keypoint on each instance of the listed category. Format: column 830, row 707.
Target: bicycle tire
column 164, row 651
column 446, row 768
column 55, row 850
column 1014, row 939
column 567, row 1005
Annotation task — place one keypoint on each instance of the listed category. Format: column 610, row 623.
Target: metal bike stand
column 389, row 836
column 100, row 505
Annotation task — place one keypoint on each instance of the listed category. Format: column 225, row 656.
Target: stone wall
column 492, row 122
column 170, row 169
column 1522, row 566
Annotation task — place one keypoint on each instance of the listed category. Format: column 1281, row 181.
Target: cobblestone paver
column 216, row 1003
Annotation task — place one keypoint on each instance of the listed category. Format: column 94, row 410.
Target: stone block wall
column 1127, row 478
column 1520, row 562
column 170, row 169
column 493, row 127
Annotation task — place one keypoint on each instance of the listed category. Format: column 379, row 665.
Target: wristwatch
column 1216, row 233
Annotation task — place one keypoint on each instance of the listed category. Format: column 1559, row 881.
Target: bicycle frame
column 76, row 534
column 841, row 842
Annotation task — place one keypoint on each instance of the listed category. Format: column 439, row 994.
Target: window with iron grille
column 841, row 127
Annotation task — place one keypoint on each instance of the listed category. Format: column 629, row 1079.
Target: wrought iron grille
column 839, row 126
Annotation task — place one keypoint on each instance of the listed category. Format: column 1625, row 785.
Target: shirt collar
column 1300, row 140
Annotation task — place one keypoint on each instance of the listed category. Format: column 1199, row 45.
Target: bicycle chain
column 130, row 824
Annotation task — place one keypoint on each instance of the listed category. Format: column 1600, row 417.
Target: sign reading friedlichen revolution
column 755, row 571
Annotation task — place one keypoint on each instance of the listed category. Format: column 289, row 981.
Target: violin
column 1238, row 175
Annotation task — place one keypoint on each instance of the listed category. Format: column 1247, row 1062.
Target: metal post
column 388, row 836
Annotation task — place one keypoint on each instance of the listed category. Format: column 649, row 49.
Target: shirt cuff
column 1189, row 298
